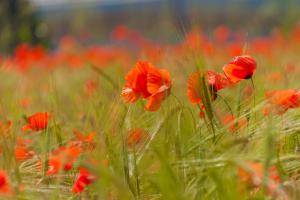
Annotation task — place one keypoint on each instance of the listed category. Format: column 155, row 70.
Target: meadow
column 211, row 116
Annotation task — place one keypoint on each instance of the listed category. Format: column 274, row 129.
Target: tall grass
column 181, row 156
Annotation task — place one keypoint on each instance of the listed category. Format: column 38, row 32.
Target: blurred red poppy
column 233, row 123
column 84, row 141
column 37, row 122
column 221, row 33
column 63, row 158
column 5, row 188
column 21, row 149
column 215, row 83
column 84, row 179
column 90, row 87
column 253, row 173
column 135, row 136
column 279, row 101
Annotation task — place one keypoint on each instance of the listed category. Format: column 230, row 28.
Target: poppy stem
column 254, row 98
column 125, row 156
column 47, row 143
column 239, row 102
column 136, row 174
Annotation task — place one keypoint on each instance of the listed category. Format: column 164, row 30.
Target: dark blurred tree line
column 18, row 23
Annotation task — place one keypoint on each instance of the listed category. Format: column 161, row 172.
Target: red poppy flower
column 37, row 122
column 5, row 127
column 90, row 87
column 279, row 101
column 5, row 188
column 120, row 32
column 159, row 86
column 148, row 82
column 215, row 81
column 252, row 174
column 63, row 158
column 233, row 123
column 221, row 33
column 135, row 136
column 25, row 102
column 84, row 179
column 242, row 67
column 21, row 151
column 136, row 85
column 86, row 142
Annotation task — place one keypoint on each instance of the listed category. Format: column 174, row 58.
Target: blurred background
column 47, row 21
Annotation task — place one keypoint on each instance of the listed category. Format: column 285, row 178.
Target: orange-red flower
column 120, row 32
column 25, row 102
column 84, row 179
column 5, row 127
column 21, row 151
column 37, row 122
column 63, row 158
column 148, row 82
column 90, row 87
column 5, row 188
column 85, row 142
column 136, row 85
column 253, row 172
column 279, row 101
column 222, row 33
column 135, row 136
column 215, row 82
column 159, row 86
column 233, row 123
column 241, row 67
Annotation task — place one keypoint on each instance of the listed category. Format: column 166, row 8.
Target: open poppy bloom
column 215, row 82
column 37, row 122
column 148, row 82
column 136, row 82
column 252, row 174
column 84, row 179
column 159, row 86
column 242, row 67
column 279, row 101
column 62, row 158
column 5, row 188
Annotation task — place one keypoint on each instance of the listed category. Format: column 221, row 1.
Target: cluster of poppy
column 224, row 43
column 148, row 82
column 62, row 158
column 69, row 54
